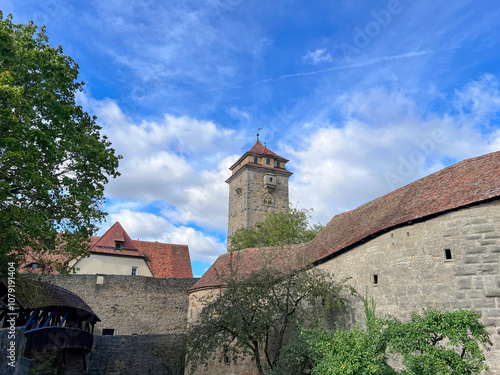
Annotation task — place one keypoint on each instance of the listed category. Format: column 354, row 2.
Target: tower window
column 256, row 161
column 268, row 161
column 447, row 254
column 278, row 164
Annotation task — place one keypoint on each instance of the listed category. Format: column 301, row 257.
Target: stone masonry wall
column 20, row 344
column 132, row 355
column 413, row 273
column 131, row 304
column 246, row 207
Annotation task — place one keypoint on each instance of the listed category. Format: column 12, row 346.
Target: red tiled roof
column 106, row 244
column 166, row 260
column 260, row 150
column 469, row 182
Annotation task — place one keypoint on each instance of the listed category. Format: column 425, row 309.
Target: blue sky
column 362, row 97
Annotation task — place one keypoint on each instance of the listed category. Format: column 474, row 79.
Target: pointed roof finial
column 258, row 133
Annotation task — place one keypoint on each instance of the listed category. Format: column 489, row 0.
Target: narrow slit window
column 447, row 254
column 227, row 360
column 375, row 279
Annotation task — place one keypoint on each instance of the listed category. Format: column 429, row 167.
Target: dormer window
column 278, row 164
column 268, row 161
column 118, row 246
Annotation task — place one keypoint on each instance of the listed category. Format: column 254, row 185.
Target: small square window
column 447, row 254
column 135, row 271
column 278, row 165
column 118, row 246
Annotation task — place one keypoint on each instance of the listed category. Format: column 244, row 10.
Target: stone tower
column 257, row 187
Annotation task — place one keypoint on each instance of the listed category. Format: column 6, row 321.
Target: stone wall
column 412, row 270
column 246, row 197
column 131, row 355
column 131, row 304
column 407, row 269
column 19, row 344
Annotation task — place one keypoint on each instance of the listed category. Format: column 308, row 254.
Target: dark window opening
column 447, row 254
column 375, row 279
column 134, row 271
column 278, row 165
column 118, row 246
column 255, row 160
column 227, row 360
column 268, row 161
column 108, row 331
column 270, row 179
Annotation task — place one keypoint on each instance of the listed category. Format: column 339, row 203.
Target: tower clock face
column 268, row 200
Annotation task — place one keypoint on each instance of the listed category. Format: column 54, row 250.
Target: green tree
column 435, row 342
column 357, row 351
column 256, row 316
column 54, row 162
column 439, row 342
column 287, row 227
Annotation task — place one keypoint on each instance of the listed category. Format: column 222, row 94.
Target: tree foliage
column 433, row 342
column 256, row 316
column 54, row 162
column 287, row 227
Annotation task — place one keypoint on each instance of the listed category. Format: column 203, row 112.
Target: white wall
column 112, row 265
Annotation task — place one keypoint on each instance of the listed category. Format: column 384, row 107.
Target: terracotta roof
column 106, row 244
column 260, row 150
column 33, row 294
column 166, row 260
column 469, row 182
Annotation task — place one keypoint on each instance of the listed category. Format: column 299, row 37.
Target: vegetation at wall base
column 433, row 342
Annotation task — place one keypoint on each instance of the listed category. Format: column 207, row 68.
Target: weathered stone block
column 450, row 232
column 471, row 259
column 483, row 303
column 464, row 283
column 492, row 292
column 463, row 270
column 462, row 304
column 478, row 228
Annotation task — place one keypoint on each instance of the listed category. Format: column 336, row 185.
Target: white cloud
column 384, row 141
column 234, row 112
column 479, row 100
column 179, row 161
column 317, row 56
